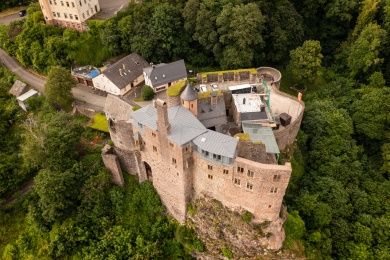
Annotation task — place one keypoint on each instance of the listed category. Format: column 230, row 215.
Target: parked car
column 22, row 13
column 214, row 87
column 203, row 88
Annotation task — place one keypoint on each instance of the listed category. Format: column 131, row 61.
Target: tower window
column 240, row 169
column 225, row 171
column 277, row 177
column 237, row 181
column 210, row 176
column 274, row 190
column 250, row 174
column 210, row 167
column 154, row 149
column 249, row 186
column 173, row 160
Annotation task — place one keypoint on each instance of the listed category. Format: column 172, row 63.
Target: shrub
column 147, row 93
column 247, row 217
column 135, row 108
column 294, row 228
column 226, row 252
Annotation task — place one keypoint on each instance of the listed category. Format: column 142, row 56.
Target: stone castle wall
column 231, row 187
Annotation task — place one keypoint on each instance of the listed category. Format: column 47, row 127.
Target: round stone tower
column 189, row 99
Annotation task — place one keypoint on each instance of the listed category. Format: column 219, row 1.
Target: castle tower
column 189, row 99
column 163, row 127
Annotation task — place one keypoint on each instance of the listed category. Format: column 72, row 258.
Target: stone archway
column 148, row 169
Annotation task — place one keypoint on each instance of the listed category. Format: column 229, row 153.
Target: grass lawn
column 99, row 122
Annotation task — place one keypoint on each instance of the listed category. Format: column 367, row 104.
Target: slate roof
column 164, row 73
column 217, row 143
column 248, row 116
column 189, row 94
column 117, row 109
column 126, row 70
column 184, row 125
column 262, row 134
column 212, row 115
column 18, row 88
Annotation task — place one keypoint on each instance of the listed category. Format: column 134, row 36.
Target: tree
column 58, row 88
column 147, row 93
column 305, row 62
column 240, row 30
column 364, row 53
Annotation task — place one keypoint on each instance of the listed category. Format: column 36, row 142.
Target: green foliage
column 247, row 217
column 294, row 228
column 58, row 88
column 177, row 88
column 187, row 237
column 99, row 122
column 226, row 252
column 147, row 93
column 135, row 108
column 305, row 62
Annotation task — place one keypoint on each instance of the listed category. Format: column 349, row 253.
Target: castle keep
column 186, row 154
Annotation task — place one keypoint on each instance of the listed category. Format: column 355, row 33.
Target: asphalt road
column 38, row 82
column 109, row 8
column 10, row 18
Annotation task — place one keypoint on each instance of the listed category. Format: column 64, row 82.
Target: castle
column 183, row 145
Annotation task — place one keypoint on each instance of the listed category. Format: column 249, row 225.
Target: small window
column 54, row 14
column 76, row 17
column 171, row 144
column 249, row 186
column 173, row 160
column 240, row 169
column 58, row 14
column 50, row 2
column 65, row 15
column 80, row 3
column 237, row 181
column 87, row 12
column 269, row 206
column 83, row 15
column 71, row 16
column 250, row 174
column 274, row 190
column 277, row 177
column 154, row 149
column 225, row 171
column 62, row 3
column 85, row 1
column 192, row 105
column 67, row 4
column 210, row 176
column 73, row 4
column 210, row 167
column 153, row 134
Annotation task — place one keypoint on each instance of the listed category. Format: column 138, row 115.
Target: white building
column 69, row 13
column 162, row 76
column 120, row 77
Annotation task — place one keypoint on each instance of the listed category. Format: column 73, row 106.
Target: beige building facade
column 69, row 13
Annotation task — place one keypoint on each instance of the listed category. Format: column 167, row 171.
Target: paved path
column 109, row 8
column 38, row 82
column 10, row 18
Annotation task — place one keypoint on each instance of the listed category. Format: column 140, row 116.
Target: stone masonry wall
column 111, row 162
column 252, row 151
column 264, row 204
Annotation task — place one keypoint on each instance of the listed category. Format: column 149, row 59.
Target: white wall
column 83, row 9
column 103, row 83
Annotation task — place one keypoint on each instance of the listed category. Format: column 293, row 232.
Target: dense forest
column 336, row 52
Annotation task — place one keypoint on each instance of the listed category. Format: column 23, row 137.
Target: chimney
column 163, row 125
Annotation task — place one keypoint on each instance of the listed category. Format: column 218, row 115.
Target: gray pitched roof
column 117, row 109
column 217, row 143
column 126, row 70
column 18, row 88
column 262, row 134
column 164, row 73
column 189, row 93
column 212, row 115
column 184, row 125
